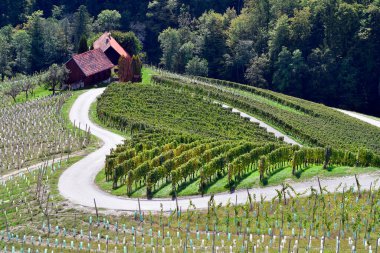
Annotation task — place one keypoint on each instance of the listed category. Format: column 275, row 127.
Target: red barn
column 111, row 48
column 90, row 67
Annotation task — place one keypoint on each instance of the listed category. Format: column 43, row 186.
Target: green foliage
column 136, row 69
column 129, row 41
column 55, row 77
column 83, row 47
column 313, row 124
column 197, row 67
column 332, row 59
column 170, row 44
column 180, row 135
column 152, row 106
column 108, row 20
column 82, row 24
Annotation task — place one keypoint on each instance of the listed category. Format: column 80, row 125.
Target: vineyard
column 35, row 131
column 34, row 218
column 313, row 124
column 182, row 143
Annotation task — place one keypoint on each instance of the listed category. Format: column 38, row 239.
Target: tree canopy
column 331, row 45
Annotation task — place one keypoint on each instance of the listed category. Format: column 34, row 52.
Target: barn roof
column 106, row 41
column 92, row 62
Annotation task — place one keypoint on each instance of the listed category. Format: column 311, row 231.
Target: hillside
column 159, row 119
column 168, row 126
column 181, row 140
column 311, row 123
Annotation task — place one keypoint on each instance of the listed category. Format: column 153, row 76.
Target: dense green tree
column 129, row 41
column 5, row 58
column 108, row 20
column 136, row 69
column 322, row 68
column 279, row 36
column 197, row 67
column 21, row 45
column 284, row 7
column 81, row 24
column 212, row 38
column 186, row 53
column 289, row 72
column 300, row 29
column 83, row 47
column 170, row 44
column 160, row 15
column 36, row 29
column 57, row 12
column 55, row 48
column 257, row 73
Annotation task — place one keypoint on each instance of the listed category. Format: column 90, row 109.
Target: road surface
column 77, row 183
column 361, row 117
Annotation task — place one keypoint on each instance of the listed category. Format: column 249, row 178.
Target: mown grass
column 39, row 92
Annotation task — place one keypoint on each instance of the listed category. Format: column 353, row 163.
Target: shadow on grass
column 136, row 189
column 238, row 180
column 266, row 177
column 160, row 187
column 299, row 173
column 184, row 185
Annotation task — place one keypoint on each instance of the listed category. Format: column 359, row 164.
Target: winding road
column 77, row 183
column 362, row 117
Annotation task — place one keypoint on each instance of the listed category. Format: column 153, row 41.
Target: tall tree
column 37, row 40
column 5, row 58
column 83, row 47
column 258, row 72
column 289, row 72
column 212, row 37
column 108, row 20
column 197, row 67
column 14, row 90
column 21, row 45
column 170, row 45
column 82, row 24
column 129, row 41
column 279, row 37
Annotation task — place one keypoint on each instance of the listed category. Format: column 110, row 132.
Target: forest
column 325, row 51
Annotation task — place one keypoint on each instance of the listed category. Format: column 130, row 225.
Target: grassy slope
column 314, row 123
column 248, row 180
column 39, row 92
column 147, row 75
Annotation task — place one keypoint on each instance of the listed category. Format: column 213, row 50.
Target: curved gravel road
column 78, row 186
column 361, row 117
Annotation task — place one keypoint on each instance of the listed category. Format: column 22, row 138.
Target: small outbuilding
column 89, row 68
column 110, row 47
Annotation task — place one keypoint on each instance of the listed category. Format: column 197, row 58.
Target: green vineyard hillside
column 183, row 143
